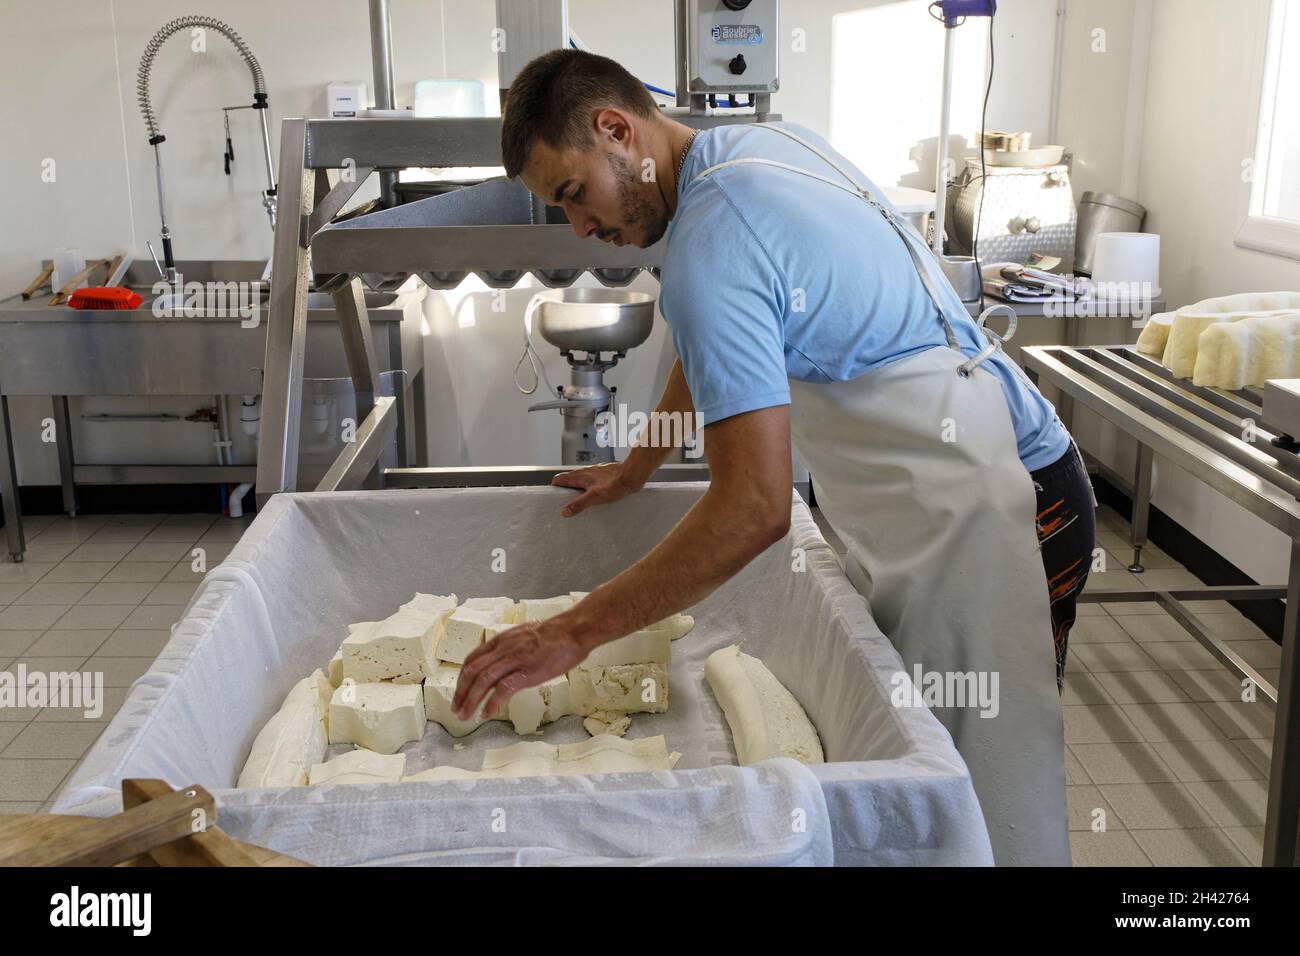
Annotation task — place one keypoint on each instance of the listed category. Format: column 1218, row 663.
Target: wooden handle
column 51, row 840
column 213, row 847
column 70, row 286
column 40, row 281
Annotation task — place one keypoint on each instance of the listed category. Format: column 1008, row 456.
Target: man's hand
column 521, row 657
column 599, row 484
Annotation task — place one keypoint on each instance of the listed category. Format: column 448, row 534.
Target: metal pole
column 681, row 21
column 286, row 331
column 1282, row 823
column 381, row 61
column 269, row 199
column 941, row 161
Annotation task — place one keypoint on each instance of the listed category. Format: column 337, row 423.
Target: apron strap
column 857, row 189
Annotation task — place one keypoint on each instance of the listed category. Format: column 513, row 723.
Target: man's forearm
column 716, row 538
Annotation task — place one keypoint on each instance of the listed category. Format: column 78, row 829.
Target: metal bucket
column 1098, row 213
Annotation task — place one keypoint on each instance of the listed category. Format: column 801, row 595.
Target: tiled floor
column 1162, row 755
column 95, row 593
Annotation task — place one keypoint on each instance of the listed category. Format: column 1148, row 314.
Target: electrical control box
column 732, row 46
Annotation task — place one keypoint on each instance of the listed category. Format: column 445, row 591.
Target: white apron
column 915, row 466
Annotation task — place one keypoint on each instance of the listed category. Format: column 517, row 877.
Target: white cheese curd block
column 462, row 633
column 556, row 698
column 434, row 607
column 292, row 740
column 380, row 717
column 607, row 722
column 444, row 773
column 527, row 710
column 542, row 608
column 1249, row 352
column 336, row 668
column 627, row 688
column 1155, row 334
column 502, row 608
column 360, row 766
column 639, row 647
column 578, row 595
column 439, row 690
column 398, row 648
column 764, row 717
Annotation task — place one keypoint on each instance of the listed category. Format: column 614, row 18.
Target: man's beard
column 637, row 210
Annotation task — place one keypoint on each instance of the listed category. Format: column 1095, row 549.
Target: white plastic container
column 1127, row 258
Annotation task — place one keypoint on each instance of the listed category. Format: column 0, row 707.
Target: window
column 1273, row 223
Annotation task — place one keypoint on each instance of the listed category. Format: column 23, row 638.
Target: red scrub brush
column 104, row 297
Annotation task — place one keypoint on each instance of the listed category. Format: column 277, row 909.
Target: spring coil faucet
column 156, row 137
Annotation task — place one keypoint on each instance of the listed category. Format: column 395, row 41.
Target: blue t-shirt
column 770, row 275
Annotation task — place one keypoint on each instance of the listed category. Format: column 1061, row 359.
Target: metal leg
column 63, row 442
column 419, row 420
column 286, row 333
column 1065, row 404
column 1282, row 824
column 1141, row 504
column 358, row 345
column 9, row 486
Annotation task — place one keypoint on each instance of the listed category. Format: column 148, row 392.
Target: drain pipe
column 236, row 507
column 381, row 60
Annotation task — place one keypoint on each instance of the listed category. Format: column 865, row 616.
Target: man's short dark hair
column 553, row 99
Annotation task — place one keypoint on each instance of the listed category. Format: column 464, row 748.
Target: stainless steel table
column 1223, row 439
column 60, row 352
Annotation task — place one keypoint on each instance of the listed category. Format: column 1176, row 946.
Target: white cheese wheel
column 1249, row 352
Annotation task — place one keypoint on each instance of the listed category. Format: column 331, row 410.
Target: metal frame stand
column 1200, row 430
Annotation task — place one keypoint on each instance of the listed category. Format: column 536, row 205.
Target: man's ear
column 613, row 125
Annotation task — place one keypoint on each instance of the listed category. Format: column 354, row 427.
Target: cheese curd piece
column 676, row 625
column 360, row 766
column 503, row 608
column 1184, row 338
column 527, row 710
column 439, row 690
column 556, row 698
column 336, row 668
column 764, row 717
column 435, row 607
column 1233, row 355
column 292, row 740
column 627, row 688
column 524, row 759
column 1155, row 334
column 444, row 773
column 379, row 717
column 398, row 648
column 470, row 624
column 607, row 722
column 541, row 609
column 611, row 754
column 639, row 647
